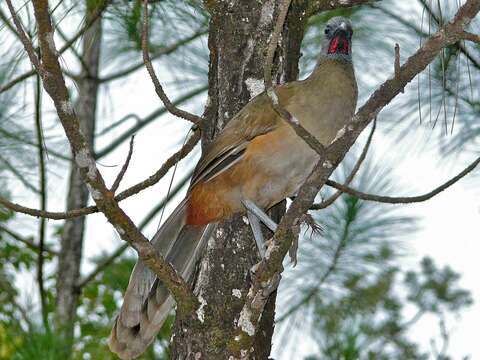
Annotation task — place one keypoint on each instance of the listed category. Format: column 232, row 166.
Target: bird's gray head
column 337, row 40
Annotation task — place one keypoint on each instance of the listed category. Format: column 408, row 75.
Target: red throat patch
column 339, row 44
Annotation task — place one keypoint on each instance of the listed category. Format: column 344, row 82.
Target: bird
column 255, row 162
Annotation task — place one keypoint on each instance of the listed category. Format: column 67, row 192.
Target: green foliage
column 367, row 321
column 434, row 290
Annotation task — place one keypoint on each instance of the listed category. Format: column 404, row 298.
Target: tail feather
column 147, row 302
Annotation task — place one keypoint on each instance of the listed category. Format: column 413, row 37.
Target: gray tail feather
column 147, row 301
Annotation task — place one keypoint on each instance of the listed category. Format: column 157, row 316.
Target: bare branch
column 295, row 124
column 25, row 41
column 397, row 61
column 152, row 180
column 407, row 199
column 471, row 37
column 272, row 46
column 54, row 84
column 124, row 168
column 349, row 179
column 158, row 87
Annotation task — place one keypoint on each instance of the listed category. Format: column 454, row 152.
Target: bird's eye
column 327, row 30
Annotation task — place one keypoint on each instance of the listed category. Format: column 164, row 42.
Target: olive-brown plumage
column 257, row 157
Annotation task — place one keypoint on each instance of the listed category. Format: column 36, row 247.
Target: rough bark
column 70, row 256
column 238, row 40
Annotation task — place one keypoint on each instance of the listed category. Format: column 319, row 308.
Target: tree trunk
column 70, row 256
column 238, row 40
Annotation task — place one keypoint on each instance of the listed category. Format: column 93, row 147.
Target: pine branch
column 349, row 179
column 124, row 168
column 158, row 87
column 438, row 20
column 43, row 202
column 471, row 37
column 26, row 241
column 95, row 15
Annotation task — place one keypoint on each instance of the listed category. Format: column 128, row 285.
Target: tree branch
column 124, row 168
column 471, row 37
column 439, row 21
column 54, row 83
column 407, row 199
column 349, row 179
column 266, row 272
column 158, row 87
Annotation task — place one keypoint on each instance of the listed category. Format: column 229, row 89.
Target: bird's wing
column 255, row 119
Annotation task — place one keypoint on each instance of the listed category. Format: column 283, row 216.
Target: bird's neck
column 331, row 71
column 324, row 64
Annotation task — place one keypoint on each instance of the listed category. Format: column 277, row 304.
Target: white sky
column 449, row 223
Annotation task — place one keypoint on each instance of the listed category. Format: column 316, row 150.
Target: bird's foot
column 309, row 221
column 316, row 229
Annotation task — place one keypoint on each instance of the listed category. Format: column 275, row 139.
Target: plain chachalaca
column 255, row 162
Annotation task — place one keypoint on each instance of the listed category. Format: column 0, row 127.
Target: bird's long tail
column 147, row 302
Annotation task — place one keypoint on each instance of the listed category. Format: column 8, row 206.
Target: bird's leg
column 260, row 214
column 255, row 215
column 257, row 232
